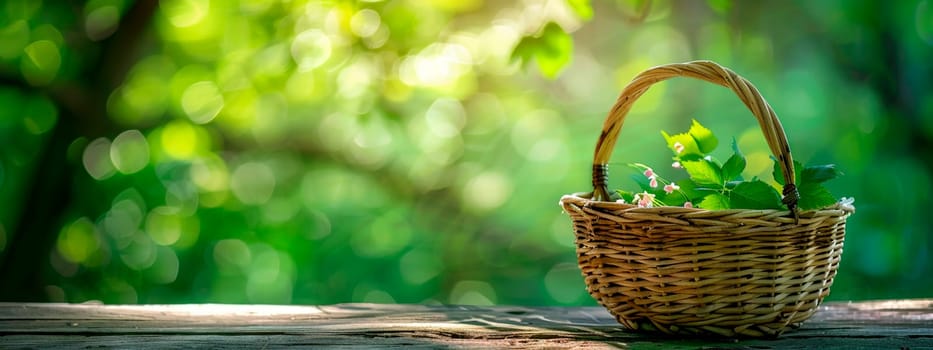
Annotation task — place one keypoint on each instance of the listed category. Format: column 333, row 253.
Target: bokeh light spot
column 124, row 218
column 129, row 152
column 231, row 255
column 119, row 291
column 378, row 297
column 562, row 231
column 253, row 183
column 179, row 140
column 164, row 225
column 78, row 241
column 202, row 101
column 266, row 267
column 145, row 95
column 445, row 117
column 41, row 63
column 387, row 235
column 21, row 8
column 271, row 277
column 311, row 49
column 924, row 21
column 182, row 197
column 55, row 294
column 48, row 32
column 96, row 159
column 419, row 266
column 365, row 23
column 101, row 22
column 256, row 6
column 280, row 210
column 185, row 13
column 13, row 38
column 140, row 253
column 356, row 79
column 165, row 268
column 487, row 191
column 564, row 283
column 536, row 135
column 320, row 225
column 61, row 265
column 40, row 115
column 210, row 173
column 473, row 293
column 757, row 153
column 438, row 65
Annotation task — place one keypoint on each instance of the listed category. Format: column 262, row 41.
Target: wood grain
column 895, row 324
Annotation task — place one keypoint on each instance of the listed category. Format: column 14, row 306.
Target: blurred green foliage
column 261, row 151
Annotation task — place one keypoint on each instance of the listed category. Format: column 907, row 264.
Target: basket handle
column 707, row 71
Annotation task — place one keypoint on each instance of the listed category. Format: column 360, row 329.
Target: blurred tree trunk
column 82, row 113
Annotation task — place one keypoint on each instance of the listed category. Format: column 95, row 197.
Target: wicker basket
column 692, row 271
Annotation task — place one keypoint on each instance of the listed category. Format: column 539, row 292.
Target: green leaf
column 734, row 166
column 779, row 175
column 625, row 195
column 525, row 50
column 693, row 191
column 551, row 49
column 704, row 138
column 755, row 195
column 715, row 201
column 814, row 196
column 703, row 172
column 674, row 199
column 819, row 173
column 582, row 8
column 642, row 181
column 690, row 145
column 809, row 184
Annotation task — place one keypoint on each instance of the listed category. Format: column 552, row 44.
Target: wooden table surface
column 893, row 324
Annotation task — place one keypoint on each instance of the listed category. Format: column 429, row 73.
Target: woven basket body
column 700, row 272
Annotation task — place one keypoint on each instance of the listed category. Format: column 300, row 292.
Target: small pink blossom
column 676, row 165
column 644, row 200
column 671, row 187
column 654, row 182
column 649, row 173
column 678, row 147
column 688, row 205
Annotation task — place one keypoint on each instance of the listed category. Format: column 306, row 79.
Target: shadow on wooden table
column 887, row 324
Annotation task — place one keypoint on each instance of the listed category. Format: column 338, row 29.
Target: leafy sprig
column 713, row 185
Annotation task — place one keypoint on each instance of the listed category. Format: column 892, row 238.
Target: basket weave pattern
column 710, row 272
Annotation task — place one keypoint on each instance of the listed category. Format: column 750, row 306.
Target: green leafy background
column 414, row 151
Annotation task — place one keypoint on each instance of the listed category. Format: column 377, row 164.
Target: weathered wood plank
column 885, row 324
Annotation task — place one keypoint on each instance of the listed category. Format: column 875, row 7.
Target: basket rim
column 584, row 200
